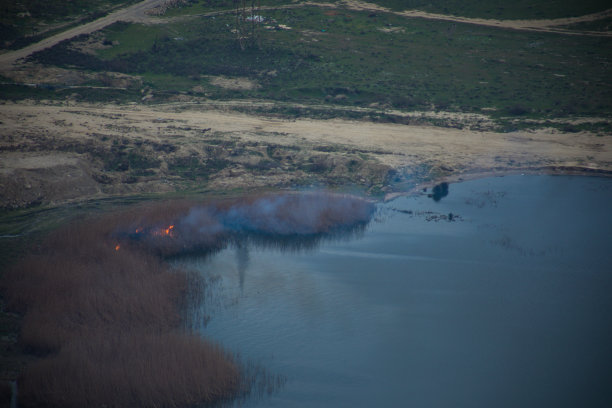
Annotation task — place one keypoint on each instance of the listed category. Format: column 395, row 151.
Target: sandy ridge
column 460, row 148
column 448, row 152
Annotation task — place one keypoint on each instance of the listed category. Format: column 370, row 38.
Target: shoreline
column 57, row 154
column 543, row 171
column 451, row 179
column 20, row 358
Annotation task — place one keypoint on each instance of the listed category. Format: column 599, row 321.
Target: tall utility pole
column 247, row 22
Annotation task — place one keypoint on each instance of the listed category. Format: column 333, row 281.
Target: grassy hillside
column 360, row 59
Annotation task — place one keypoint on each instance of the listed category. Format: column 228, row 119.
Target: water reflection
column 413, row 306
column 242, row 262
column 297, row 243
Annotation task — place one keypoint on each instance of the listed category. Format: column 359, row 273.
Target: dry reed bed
column 104, row 310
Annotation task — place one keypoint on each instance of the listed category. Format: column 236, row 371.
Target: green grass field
column 363, row 59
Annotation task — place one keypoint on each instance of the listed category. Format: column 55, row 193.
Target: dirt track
column 549, row 25
column 133, row 13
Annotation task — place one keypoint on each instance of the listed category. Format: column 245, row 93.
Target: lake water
column 508, row 303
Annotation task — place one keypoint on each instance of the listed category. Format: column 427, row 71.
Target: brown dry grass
column 134, row 369
column 78, row 282
column 108, row 323
column 103, row 308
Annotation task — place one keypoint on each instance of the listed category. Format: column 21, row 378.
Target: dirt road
column 544, row 25
column 133, row 13
column 550, row 25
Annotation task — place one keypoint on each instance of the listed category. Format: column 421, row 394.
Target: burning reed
column 302, row 218
column 104, row 310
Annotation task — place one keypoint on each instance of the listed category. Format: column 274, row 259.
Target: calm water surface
column 507, row 305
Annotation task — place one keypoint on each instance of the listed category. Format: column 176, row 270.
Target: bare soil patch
column 238, row 84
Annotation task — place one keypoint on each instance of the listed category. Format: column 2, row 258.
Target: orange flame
column 163, row 232
column 117, row 247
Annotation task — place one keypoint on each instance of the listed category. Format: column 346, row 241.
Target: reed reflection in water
column 505, row 305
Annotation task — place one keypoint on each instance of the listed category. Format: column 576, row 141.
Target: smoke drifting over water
column 104, row 282
column 289, row 221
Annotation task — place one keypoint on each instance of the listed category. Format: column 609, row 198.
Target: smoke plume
column 290, row 220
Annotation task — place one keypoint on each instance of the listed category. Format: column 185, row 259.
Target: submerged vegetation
column 106, row 313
